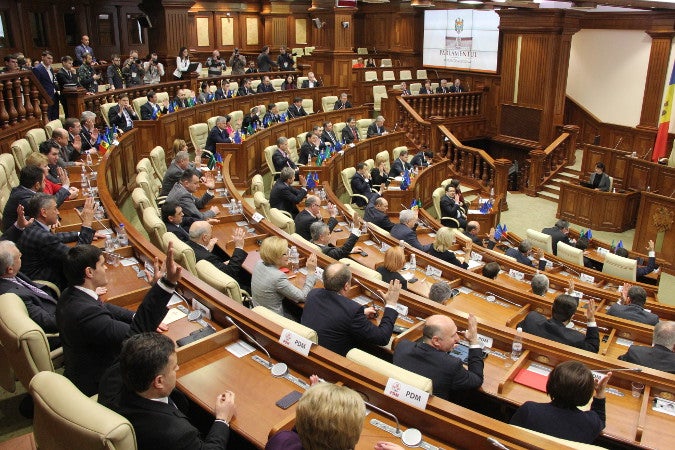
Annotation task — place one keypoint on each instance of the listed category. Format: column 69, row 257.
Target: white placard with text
column 406, row 393
column 513, row 273
column 295, row 342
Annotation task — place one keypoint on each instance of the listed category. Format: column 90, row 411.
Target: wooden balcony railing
column 22, row 97
column 545, row 164
column 471, row 162
column 465, row 104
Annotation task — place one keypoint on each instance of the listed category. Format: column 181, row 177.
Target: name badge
column 513, row 273
column 295, row 342
column 433, row 271
column 476, row 256
column 485, row 340
column 406, row 393
column 602, row 251
column 257, row 217
column 587, row 278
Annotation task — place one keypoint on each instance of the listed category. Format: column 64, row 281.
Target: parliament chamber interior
column 450, row 221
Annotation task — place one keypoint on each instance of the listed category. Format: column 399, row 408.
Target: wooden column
column 537, row 157
column 170, row 29
column 501, row 181
column 657, row 74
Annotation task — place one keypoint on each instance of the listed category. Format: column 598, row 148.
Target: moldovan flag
column 664, row 121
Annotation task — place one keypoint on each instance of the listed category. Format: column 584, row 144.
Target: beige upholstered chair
column 370, row 163
column 51, row 126
column 405, row 75
column 137, row 103
column 620, row 267
column 540, row 240
column 276, row 83
column 388, row 75
column 362, row 51
column 362, row 127
column 9, row 169
column 346, row 175
column 105, row 108
column 570, row 254
column 24, row 342
column 144, row 165
column 296, row 237
column 422, row 74
column 234, row 86
column 384, row 154
column 328, row 102
column 370, row 75
column 308, row 105
column 337, row 129
column 389, row 370
column 282, row 107
column 447, row 221
column 235, row 116
column 149, row 182
column 198, row 134
column 269, row 151
column 293, row 150
column 141, row 201
column 217, row 279
column 563, row 442
column 254, row 84
column 211, row 122
column 161, row 96
column 154, row 226
column 299, row 51
column 309, row 50
column 21, row 149
column 386, row 62
column 158, row 160
column 282, row 220
column 397, row 151
column 5, row 191
column 611, row 183
column 300, row 80
column 67, row 419
column 363, row 270
column 379, row 92
column 287, row 324
column 261, row 204
column 182, row 253
column 257, row 184
column 415, row 88
column 35, row 137
column 378, row 230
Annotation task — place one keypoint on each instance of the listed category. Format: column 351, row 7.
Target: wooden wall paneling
column 245, row 23
column 655, row 208
column 534, row 61
column 203, row 34
column 657, row 73
column 637, row 177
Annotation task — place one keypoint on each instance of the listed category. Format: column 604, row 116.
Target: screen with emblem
column 461, row 39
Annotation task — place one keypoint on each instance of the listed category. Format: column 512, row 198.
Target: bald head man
column 661, row 355
column 430, row 358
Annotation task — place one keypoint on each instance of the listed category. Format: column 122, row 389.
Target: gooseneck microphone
column 279, row 369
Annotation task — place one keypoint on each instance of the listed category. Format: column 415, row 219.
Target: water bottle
column 219, row 176
column 294, row 258
column 233, row 206
column 492, row 194
column 85, row 182
column 240, row 207
column 109, row 245
column 364, row 227
column 413, row 262
column 88, row 158
column 122, row 236
column 517, row 346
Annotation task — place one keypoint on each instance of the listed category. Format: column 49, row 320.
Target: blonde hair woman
column 441, row 247
column 270, row 285
column 394, row 260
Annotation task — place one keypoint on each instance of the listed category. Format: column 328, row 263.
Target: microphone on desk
column 375, row 293
column 279, row 369
column 251, row 228
column 569, row 269
column 502, row 298
column 412, row 437
column 579, row 322
column 373, row 237
column 496, row 443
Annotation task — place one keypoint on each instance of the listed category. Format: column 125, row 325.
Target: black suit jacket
column 646, row 270
column 262, row 87
column 450, row 208
column 121, row 122
column 657, row 357
column 405, row 233
column 329, row 136
column 171, row 177
column 338, row 253
column 243, row 90
column 43, row 253
column 448, row 256
column 398, row 167
column 159, row 425
column 447, row 373
column 443, row 90
column 341, row 324
column 419, row 160
column 92, row 332
column 305, row 84
column 88, row 141
column 556, row 236
column 41, row 309
column 294, row 111
column 180, row 232
column 424, row 90
column 349, row 135
column 248, row 120
column 43, row 76
column 633, row 312
column 339, row 105
column 373, row 215
column 147, row 111
column 374, row 130
column 554, row 330
column 478, row 241
column 64, row 77
column 515, row 253
column 216, row 135
column 286, row 197
column 281, row 160
column 361, row 186
column 232, row 268
column 305, row 219
column 19, row 196
column 307, row 150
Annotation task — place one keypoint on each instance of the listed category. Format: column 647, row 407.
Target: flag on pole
column 664, row 120
column 405, row 181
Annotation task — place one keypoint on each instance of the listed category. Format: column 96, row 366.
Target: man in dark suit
column 252, row 121
column 376, row 128
column 92, row 331
column 426, row 88
column 175, row 170
column 141, row 388
column 173, row 218
column 400, row 165
column 360, row 184
column 151, row 110
column 521, row 253
column 309, row 149
column 31, row 181
column 265, row 85
column 296, row 109
column 281, row 157
column 350, row 135
column 321, row 237
column 559, row 233
column 311, row 214
column 122, row 115
column 404, row 230
column 342, row 102
column 457, row 86
column 328, row 135
column 45, row 75
column 271, row 116
column 218, row 134
column 205, row 247
column 443, row 88
column 181, row 100
column 245, row 88
column 286, row 197
column 422, row 159
column 376, row 212
column 642, row 271
column 451, row 206
column 39, row 299
column 44, row 252
column 310, row 82
column 473, row 231
column 341, row 323
column 555, row 328
column 69, row 151
column 183, row 194
column 431, row 358
column 66, row 76
column 661, row 355
column 632, row 306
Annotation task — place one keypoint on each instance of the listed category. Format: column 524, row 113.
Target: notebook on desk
column 534, row 376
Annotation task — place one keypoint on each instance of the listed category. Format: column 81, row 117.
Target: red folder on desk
column 532, row 379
